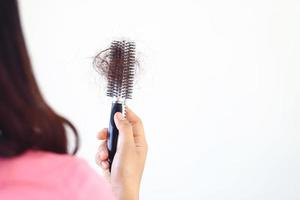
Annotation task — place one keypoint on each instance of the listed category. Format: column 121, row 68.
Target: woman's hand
column 128, row 164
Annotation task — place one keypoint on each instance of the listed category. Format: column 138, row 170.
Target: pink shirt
column 37, row 175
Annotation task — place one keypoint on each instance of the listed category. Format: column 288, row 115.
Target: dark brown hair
column 26, row 120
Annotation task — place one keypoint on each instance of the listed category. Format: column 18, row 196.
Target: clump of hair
column 102, row 62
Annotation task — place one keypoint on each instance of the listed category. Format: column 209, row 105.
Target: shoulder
column 68, row 174
column 82, row 179
column 90, row 184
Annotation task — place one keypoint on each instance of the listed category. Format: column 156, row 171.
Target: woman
column 34, row 160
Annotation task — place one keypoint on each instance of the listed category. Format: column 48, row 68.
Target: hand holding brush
column 123, row 151
column 127, row 168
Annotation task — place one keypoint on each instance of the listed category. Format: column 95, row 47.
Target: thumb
column 125, row 130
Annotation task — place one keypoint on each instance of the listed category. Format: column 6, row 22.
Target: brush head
column 121, row 69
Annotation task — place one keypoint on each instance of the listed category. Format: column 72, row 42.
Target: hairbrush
column 120, row 77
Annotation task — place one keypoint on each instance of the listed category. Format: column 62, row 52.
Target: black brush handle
column 113, row 133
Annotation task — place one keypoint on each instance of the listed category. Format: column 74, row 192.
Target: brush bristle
column 121, row 69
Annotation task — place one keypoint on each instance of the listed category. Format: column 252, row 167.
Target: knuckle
column 102, row 147
column 125, row 125
column 97, row 160
column 139, row 120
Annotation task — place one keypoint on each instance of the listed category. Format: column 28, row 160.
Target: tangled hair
column 101, row 63
column 26, row 120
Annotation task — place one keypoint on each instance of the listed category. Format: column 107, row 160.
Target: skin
column 129, row 161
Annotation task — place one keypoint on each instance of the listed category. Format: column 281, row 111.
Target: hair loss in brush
column 102, row 62
column 118, row 65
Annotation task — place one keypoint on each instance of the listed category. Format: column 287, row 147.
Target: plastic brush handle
column 113, row 133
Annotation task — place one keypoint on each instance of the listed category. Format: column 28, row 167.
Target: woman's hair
column 26, row 120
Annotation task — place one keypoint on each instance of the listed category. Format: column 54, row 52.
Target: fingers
column 132, row 117
column 125, row 130
column 137, row 127
column 102, row 155
column 105, row 165
column 131, row 133
column 103, row 134
column 103, row 151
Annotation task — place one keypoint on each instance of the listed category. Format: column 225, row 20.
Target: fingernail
column 104, row 164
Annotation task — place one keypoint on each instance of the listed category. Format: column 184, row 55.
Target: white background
column 218, row 92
